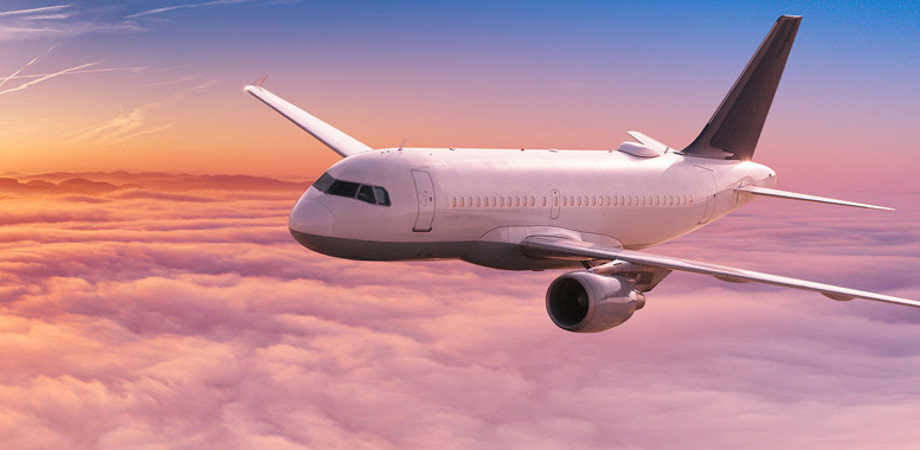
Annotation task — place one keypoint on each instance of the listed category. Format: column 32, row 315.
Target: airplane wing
column 767, row 192
column 335, row 139
column 554, row 247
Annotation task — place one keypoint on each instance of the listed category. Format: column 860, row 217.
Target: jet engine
column 585, row 302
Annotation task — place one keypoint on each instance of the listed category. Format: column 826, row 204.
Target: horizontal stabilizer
column 335, row 139
column 767, row 192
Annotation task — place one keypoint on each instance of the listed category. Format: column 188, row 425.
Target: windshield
column 374, row 195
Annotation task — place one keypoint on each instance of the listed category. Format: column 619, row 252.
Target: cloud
column 130, row 124
column 176, row 311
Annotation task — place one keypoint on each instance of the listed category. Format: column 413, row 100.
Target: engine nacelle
column 584, row 302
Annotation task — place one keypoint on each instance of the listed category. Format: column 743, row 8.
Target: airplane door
column 554, row 212
column 709, row 181
column 425, row 190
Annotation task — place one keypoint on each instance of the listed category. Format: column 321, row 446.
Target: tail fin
column 734, row 129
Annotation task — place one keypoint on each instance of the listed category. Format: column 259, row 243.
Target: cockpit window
column 382, row 197
column 323, row 183
column 343, row 188
column 366, row 193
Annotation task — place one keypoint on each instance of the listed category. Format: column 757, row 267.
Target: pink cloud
column 187, row 317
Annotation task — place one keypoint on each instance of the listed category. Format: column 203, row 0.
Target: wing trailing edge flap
column 550, row 247
column 334, row 138
column 776, row 193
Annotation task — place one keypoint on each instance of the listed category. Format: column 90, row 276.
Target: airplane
column 523, row 209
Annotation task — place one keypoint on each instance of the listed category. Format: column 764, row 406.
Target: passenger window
column 383, row 198
column 366, row 194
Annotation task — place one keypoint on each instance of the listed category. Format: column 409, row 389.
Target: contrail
column 43, row 9
column 48, row 77
column 105, row 69
column 115, row 138
column 3, row 81
column 186, row 6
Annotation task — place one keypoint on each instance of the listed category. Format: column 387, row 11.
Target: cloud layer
column 175, row 311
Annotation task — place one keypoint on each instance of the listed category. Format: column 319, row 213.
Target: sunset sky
column 156, row 85
column 173, row 309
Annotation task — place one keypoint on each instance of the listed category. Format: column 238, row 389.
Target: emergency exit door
column 425, row 190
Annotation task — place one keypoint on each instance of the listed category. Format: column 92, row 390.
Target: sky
column 157, row 85
column 153, row 298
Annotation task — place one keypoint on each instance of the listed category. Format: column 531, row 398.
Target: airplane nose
column 311, row 217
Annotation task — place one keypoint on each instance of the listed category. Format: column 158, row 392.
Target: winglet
column 335, row 139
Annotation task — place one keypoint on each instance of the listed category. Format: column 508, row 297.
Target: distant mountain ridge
column 103, row 182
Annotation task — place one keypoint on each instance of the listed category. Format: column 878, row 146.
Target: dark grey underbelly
column 489, row 254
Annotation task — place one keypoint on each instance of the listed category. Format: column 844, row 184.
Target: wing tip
column 257, row 86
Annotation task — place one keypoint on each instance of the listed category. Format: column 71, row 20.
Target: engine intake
column 584, row 302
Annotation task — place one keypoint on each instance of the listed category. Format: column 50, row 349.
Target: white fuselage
column 478, row 204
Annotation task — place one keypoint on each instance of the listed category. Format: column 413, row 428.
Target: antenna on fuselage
column 402, row 145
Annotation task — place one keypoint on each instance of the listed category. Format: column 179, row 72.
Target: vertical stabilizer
column 734, row 129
